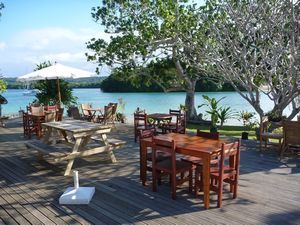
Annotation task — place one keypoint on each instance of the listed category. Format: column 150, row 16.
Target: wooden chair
column 291, row 136
column 87, row 114
column 197, row 162
column 59, row 114
column 149, row 133
column 140, row 123
column 179, row 126
column 170, row 166
column 29, row 126
column 108, row 116
column 37, row 110
column 50, row 116
column 227, row 170
column 75, row 113
column 265, row 134
column 114, row 110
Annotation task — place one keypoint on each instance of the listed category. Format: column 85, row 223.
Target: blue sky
column 34, row 31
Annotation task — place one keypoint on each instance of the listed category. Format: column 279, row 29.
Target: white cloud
column 2, row 45
column 21, row 53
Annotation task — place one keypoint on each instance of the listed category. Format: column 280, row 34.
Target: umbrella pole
column 58, row 89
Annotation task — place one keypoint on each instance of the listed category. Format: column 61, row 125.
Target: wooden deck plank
column 268, row 190
column 57, row 212
column 5, row 217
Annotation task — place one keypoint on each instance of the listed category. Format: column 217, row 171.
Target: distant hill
column 90, row 82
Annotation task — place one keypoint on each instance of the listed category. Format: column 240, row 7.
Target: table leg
column 206, row 180
column 143, row 162
column 47, row 136
column 71, row 161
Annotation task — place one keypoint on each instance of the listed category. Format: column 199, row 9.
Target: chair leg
column 173, row 185
column 220, row 193
column 190, row 180
column 154, row 180
column 197, row 182
column 235, row 187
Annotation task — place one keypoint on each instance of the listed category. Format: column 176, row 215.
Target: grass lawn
column 233, row 131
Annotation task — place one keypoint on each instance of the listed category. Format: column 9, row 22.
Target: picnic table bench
column 77, row 137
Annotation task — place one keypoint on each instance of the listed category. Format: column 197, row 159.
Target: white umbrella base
column 79, row 196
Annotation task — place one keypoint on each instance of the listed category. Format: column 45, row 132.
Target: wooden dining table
column 187, row 145
column 160, row 120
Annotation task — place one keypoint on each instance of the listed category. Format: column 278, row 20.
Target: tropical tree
column 145, row 32
column 48, row 93
column 257, row 47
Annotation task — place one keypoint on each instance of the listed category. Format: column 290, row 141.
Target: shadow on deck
column 29, row 189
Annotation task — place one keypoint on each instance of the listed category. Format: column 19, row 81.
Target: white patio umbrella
column 56, row 71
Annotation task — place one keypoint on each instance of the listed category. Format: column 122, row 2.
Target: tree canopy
column 258, row 47
column 144, row 32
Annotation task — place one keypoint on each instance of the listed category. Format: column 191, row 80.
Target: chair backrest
column 50, row 116
column 174, row 111
column 167, row 146
column 108, row 113
column 114, row 110
column 85, row 109
column 37, row 110
column 50, row 107
column 227, row 151
column 291, row 132
column 75, row 112
column 146, row 133
column 181, row 121
column 214, row 136
column 140, row 119
column 59, row 114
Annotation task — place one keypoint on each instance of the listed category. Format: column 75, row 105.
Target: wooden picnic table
column 77, row 135
column 187, row 145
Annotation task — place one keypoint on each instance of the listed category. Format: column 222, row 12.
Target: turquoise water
column 152, row 102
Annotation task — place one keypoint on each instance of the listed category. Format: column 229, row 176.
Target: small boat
column 30, row 92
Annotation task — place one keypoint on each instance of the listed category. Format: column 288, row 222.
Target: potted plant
column 212, row 104
column 246, row 119
column 120, row 114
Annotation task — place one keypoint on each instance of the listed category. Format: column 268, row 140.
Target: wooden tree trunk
column 190, row 104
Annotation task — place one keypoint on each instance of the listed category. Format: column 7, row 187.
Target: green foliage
column 225, row 113
column 247, row 119
column 3, row 86
column 212, row 104
column 217, row 114
column 121, row 108
column 274, row 116
column 183, row 108
column 48, row 94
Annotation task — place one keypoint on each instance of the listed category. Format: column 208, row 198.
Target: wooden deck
column 269, row 191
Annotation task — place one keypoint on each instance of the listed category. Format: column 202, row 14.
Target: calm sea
column 152, row 102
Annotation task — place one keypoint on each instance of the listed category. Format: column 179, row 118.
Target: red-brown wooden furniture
column 180, row 123
column 170, row 166
column 187, row 145
column 226, row 171
column 149, row 133
column 291, row 136
column 140, row 123
column 197, row 162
